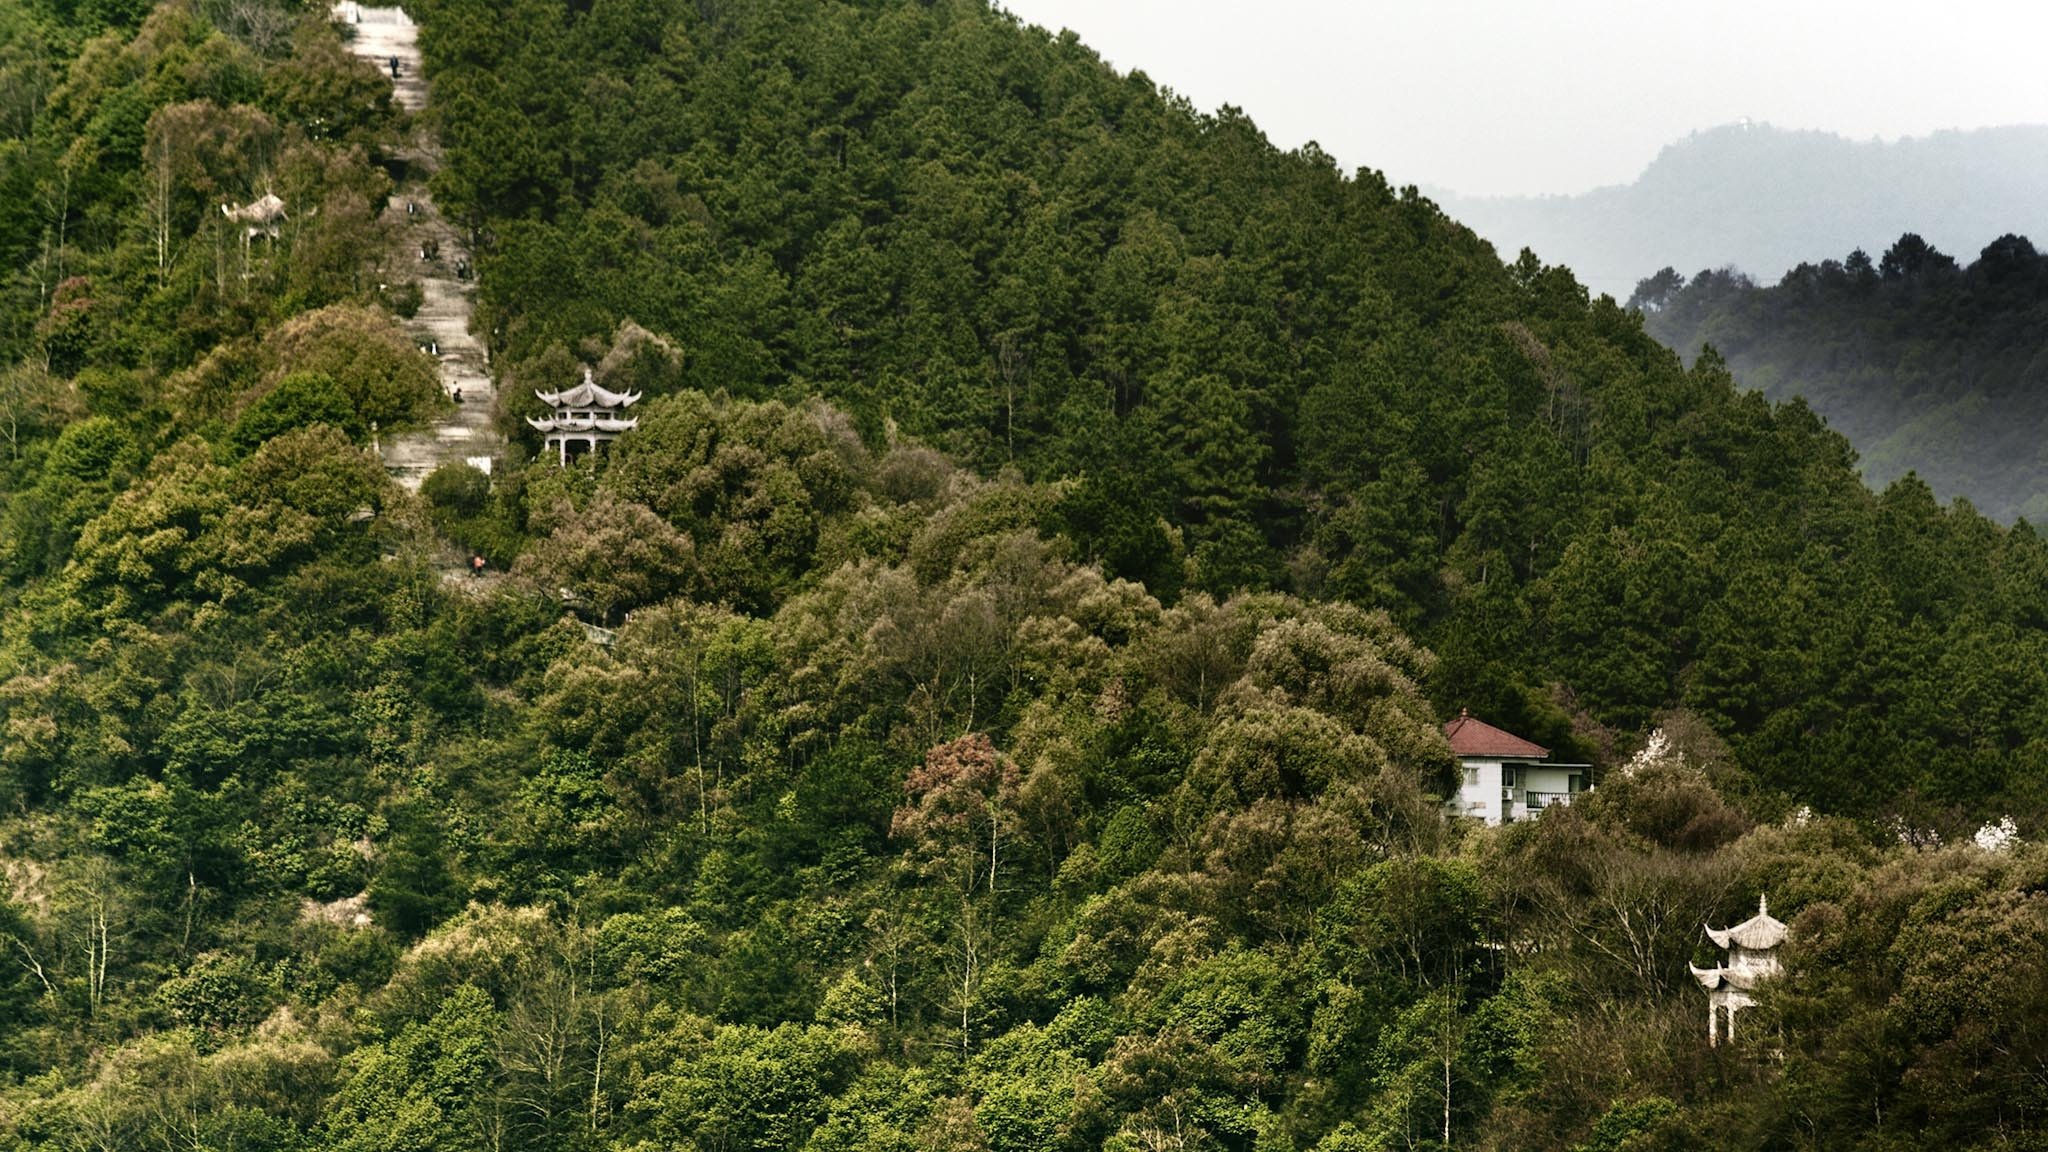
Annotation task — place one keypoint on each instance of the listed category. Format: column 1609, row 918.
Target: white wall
column 1555, row 780
column 1480, row 789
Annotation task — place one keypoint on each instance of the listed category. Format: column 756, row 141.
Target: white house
column 1505, row 777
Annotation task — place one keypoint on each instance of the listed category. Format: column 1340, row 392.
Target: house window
column 1471, row 776
column 1507, row 775
column 1575, row 783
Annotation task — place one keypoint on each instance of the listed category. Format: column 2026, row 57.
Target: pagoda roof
column 584, row 423
column 1758, row 933
column 1712, row 978
column 588, row 394
column 1473, row 737
column 265, row 209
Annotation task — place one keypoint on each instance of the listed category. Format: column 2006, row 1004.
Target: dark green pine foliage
column 895, row 815
column 1249, row 369
column 1926, row 366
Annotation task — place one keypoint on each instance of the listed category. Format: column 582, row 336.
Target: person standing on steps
column 394, row 67
column 476, row 565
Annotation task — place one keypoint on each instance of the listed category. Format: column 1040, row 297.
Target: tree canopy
column 992, row 701
column 1928, row 367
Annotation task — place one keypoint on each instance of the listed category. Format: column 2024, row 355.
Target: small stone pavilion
column 584, row 417
column 259, row 217
column 1752, row 956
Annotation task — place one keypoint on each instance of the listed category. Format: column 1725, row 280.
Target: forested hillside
column 1247, row 370
column 1927, row 366
column 992, row 701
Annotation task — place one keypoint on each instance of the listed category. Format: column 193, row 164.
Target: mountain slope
column 1925, row 365
column 1764, row 199
column 801, row 786
column 1246, row 368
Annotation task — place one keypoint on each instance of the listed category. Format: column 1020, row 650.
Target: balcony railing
column 1540, row 800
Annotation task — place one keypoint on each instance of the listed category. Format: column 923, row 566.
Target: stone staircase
column 426, row 248
column 381, row 35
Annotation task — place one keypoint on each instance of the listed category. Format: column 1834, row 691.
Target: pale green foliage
column 611, row 553
column 755, row 1089
column 369, row 357
column 423, row 1090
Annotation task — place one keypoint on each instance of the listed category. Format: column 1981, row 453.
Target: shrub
column 457, row 490
column 300, row 400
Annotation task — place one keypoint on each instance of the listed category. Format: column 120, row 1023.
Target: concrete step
column 464, row 434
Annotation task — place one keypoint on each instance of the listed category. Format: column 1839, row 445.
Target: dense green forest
column 997, row 701
column 1246, row 369
column 1925, row 365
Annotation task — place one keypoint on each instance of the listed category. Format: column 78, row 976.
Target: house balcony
column 1537, row 801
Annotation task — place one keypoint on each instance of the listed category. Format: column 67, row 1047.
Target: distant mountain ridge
column 1763, row 199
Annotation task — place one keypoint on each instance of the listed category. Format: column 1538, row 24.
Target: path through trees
column 428, row 250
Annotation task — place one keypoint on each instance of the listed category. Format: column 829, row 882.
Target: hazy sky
column 1537, row 96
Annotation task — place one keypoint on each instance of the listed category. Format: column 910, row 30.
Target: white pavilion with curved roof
column 1752, row 948
column 584, row 417
column 259, row 217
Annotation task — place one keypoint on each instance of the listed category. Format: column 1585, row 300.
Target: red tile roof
column 1471, row 737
